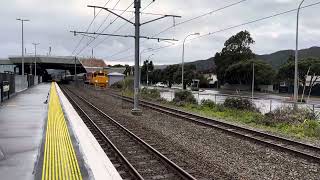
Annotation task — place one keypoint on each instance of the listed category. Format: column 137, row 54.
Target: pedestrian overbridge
column 44, row 63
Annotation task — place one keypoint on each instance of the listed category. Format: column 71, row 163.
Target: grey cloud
column 52, row 20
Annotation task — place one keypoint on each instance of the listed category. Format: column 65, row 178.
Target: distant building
column 7, row 66
column 308, row 79
column 115, row 77
column 213, row 80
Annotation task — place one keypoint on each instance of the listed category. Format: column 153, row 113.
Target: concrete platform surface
column 22, row 120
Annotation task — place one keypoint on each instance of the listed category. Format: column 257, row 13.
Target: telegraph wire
column 183, row 22
column 152, row 1
column 89, row 27
column 239, row 25
column 106, row 17
column 103, row 31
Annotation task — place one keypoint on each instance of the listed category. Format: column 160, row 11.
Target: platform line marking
column 60, row 160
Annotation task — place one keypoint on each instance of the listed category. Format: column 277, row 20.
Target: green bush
column 152, row 94
column 208, row 103
column 239, row 103
column 117, row 85
column 311, row 128
column 184, row 97
column 288, row 115
column 128, row 85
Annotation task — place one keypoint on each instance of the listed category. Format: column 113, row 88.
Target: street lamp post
column 252, row 90
column 35, row 58
column 148, row 69
column 193, row 34
column 296, row 84
column 149, row 49
column 22, row 48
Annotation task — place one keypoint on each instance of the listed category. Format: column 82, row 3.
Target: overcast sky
column 51, row 21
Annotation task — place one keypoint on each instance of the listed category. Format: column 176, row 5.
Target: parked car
column 160, row 84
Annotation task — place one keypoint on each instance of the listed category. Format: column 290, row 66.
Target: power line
column 254, row 21
column 103, row 31
column 239, row 25
column 152, row 1
column 106, row 17
column 124, row 24
column 183, row 22
column 89, row 27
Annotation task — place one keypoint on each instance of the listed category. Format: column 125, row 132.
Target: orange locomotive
column 98, row 78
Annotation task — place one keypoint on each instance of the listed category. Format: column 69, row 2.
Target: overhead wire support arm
column 118, row 35
column 160, row 18
column 104, row 34
column 112, row 13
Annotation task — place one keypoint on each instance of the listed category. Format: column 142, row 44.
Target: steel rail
column 307, row 151
column 122, row 157
column 171, row 164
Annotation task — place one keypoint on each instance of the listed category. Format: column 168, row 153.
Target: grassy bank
column 309, row 128
column 286, row 121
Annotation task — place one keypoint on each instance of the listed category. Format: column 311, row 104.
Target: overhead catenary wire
column 254, row 21
column 89, row 27
column 183, row 22
column 123, row 25
column 152, row 1
column 102, row 31
column 106, row 17
column 238, row 25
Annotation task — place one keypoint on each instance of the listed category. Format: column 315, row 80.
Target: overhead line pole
column 296, row 81
column 35, row 58
column 137, row 24
column 22, row 44
column 136, row 110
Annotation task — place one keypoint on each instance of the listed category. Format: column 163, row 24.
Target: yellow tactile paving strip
column 60, row 161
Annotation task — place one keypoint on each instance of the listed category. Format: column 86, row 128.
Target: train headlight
column 96, row 81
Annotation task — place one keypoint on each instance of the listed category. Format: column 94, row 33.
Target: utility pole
column 137, row 6
column 296, row 83
column 35, row 58
column 182, row 73
column 150, row 49
column 252, row 90
column 22, row 44
column 75, row 70
column 148, row 69
column 137, row 24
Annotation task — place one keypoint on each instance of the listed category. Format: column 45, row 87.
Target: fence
column 6, row 81
column 265, row 105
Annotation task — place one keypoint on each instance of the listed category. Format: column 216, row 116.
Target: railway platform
column 42, row 137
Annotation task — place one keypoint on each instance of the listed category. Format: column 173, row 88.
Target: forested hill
column 278, row 58
column 201, row 65
column 275, row 59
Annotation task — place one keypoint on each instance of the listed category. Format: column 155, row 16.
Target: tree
column 236, row 49
column 128, row 71
column 156, row 76
column 147, row 67
column 241, row 73
column 309, row 66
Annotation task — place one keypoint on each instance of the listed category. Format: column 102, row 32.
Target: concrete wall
column 21, row 83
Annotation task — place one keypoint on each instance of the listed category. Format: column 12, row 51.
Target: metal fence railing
column 264, row 105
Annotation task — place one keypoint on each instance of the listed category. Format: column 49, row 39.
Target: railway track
column 133, row 158
column 303, row 150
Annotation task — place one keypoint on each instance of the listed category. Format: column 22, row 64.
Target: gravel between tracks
column 208, row 153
